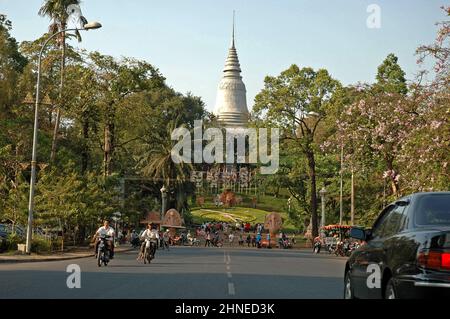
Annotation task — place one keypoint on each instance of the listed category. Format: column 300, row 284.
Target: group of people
column 211, row 232
column 150, row 233
column 227, row 227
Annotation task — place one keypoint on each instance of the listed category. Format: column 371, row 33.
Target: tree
column 155, row 161
column 119, row 80
column 391, row 77
column 298, row 100
column 56, row 10
column 12, row 64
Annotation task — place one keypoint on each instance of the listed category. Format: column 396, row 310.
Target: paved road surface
column 184, row 272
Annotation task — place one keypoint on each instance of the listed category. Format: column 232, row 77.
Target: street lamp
column 88, row 26
column 164, row 201
column 322, row 193
column 289, row 204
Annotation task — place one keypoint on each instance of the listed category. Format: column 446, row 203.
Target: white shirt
column 106, row 232
column 150, row 234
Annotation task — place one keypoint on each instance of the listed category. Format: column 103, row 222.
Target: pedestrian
column 253, row 240
column 293, row 239
column 208, row 239
column 166, row 239
column 268, row 240
column 231, row 239
column 249, row 240
column 258, row 240
column 241, row 240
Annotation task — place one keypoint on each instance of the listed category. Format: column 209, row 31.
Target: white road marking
column 231, row 290
column 229, row 274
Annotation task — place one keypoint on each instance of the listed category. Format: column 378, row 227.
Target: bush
column 12, row 241
column 188, row 217
column 56, row 243
column 40, row 245
column 3, row 245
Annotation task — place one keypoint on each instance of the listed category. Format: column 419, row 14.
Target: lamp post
column 88, row 26
column 289, row 204
column 322, row 193
column 164, row 201
column 341, row 204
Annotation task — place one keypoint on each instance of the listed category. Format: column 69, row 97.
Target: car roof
column 421, row 194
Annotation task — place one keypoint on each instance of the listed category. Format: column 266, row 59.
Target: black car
column 407, row 252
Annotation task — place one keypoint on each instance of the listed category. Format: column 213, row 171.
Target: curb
column 30, row 260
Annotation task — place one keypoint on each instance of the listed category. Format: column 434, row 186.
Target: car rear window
column 433, row 210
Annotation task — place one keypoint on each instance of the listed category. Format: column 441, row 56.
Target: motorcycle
column 317, row 247
column 193, row 242
column 149, row 251
column 135, row 242
column 331, row 248
column 216, row 242
column 103, row 253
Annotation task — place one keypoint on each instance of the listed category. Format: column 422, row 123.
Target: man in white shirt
column 109, row 232
column 151, row 234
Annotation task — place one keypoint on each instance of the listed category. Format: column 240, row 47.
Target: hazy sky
column 188, row 39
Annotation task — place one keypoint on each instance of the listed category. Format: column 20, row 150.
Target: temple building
column 231, row 103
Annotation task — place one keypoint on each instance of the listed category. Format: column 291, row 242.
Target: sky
column 188, row 40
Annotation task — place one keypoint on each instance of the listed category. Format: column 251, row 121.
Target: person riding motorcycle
column 150, row 234
column 134, row 239
column 166, row 239
column 317, row 244
column 109, row 232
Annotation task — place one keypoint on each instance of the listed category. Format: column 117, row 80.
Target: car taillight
column 437, row 260
column 445, row 262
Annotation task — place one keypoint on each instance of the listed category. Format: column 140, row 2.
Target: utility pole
column 352, row 205
column 341, row 204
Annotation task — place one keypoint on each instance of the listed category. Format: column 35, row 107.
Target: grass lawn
column 242, row 214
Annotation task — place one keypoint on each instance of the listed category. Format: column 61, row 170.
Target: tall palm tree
column 56, row 10
column 156, row 162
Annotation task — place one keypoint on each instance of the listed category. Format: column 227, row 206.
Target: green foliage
column 40, row 245
column 12, row 240
column 391, row 77
column 118, row 115
column 299, row 100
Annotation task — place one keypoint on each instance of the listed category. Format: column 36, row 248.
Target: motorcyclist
column 166, row 239
column 134, row 238
column 317, row 244
column 109, row 232
column 151, row 233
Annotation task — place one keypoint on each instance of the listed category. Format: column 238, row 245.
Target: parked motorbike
column 103, row 253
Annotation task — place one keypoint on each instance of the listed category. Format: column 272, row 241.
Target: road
column 184, row 272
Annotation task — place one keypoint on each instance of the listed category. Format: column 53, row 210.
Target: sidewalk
column 57, row 256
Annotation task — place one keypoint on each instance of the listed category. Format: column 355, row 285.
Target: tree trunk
column 108, row 148
column 394, row 184
column 313, row 196
column 85, row 152
column 60, row 104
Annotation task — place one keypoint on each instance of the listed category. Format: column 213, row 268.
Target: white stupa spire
column 231, row 104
